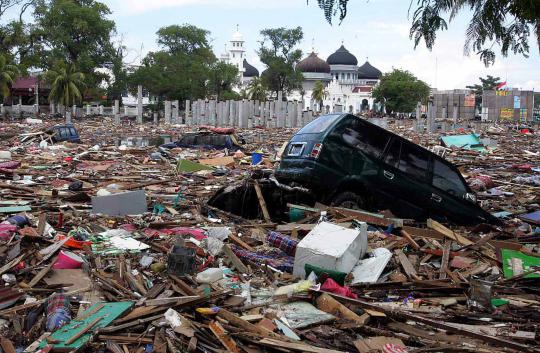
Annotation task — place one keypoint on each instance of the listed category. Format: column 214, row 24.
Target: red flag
column 500, row 85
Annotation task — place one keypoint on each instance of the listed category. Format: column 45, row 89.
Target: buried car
column 61, row 133
column 207, row 140
column 348, row 162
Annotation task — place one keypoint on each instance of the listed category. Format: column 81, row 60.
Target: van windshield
column 319, row 125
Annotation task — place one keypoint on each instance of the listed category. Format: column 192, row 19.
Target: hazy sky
column 377, row 29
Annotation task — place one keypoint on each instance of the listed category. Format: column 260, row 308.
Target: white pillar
column 168, row 112
column 156, row 120
column 176, row 111
column 240, row 114
column 68, row 117
column 2, row 110
column 280, row 110
column 125, row 110
column 299, row 109
column 117, row 111
column 139, row 104
column 100, row 110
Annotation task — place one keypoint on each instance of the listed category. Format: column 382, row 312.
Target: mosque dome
column 342, row 57
column 237, row 37
column 250, row 70
column 313, row 64
column 367, row 71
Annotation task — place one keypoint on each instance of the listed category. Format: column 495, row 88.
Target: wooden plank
column 183, row 285
column 11, row 264
column 41, row 274
column 423, row 233
column 448, row 232
column 262, row 203
column 83, row 331
column 7, row 345
column 223, row 337
column 411, row 241
column 445, row 258
column 237, row 263
column 406, row 264
column 240, row 242
column 328, row 304
column 368, row 217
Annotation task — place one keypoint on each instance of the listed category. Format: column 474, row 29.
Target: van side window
column 72, row 131
column 64, row 132
column 448, row 180
column 413, row 160
column 392, row 157
column 366, row 138
column 408, row 158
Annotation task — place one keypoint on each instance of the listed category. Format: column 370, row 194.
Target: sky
column 374, row 29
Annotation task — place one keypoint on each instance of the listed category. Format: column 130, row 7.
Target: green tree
column 278, row 51
column 66, row 84
column 181, row 69
column 77, row 32
column 8, row 73
column 256, row 89
column 486, row 84
column 222, row 77
column 400, row 91
column 318, row 93
column 505, row 23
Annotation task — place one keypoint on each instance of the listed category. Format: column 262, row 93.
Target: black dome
column 249, row 70
column 342, row 57
column 367, row 71
column 313, row 64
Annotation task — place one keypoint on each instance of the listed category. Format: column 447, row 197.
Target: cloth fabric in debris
column 58, row 311
column 275, row 258
column 280, row 241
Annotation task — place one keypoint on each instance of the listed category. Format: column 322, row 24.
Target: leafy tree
column 400, row 91
column 256, row 89
column 222, row 77
column 181, row 69
column 505, row 23
column 278, row 52
column 186, row 39
column 77, row 32
column 318, row 93
column 66, row 84
column 118, row 84
column 8, row 73
column 486, row 84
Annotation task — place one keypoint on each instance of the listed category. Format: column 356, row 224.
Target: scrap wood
column 83, row 331
column 330, row 305
column 7, row 345
column 401, row 314
column 223, row 337
column 237, row 263
column 301, row 347
column 262, row 202
column 445, row 258
column 406, row 264
column 448, row 233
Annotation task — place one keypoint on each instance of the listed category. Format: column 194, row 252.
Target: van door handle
column 436, row 197
column 388, row 174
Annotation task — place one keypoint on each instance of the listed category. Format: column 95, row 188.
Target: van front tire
column 348, row 199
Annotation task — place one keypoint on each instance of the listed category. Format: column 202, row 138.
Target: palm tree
column 7, row 75
column 318, row 94
column 66, row 84
column 256, row 89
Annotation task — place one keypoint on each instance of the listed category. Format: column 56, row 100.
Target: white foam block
column 331, row 247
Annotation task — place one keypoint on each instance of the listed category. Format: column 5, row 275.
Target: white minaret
column 225, row 56
column 237, row 51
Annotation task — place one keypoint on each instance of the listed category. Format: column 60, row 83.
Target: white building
column 236, row 55
column 347, row 86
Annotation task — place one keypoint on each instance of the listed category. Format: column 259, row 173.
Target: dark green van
column 352, row 163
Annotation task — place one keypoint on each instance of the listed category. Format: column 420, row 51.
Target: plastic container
column 68, row 260
column 73, row 243
column 210, row 275
column 256, row 157
column 181, row 261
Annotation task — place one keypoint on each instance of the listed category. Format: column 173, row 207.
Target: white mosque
column 348, row 86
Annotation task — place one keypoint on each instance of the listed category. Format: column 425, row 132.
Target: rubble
column 165, row 271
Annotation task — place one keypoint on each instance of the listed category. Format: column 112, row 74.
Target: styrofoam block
column 331, row 247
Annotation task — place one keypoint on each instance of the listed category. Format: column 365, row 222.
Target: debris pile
column 109, row 247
